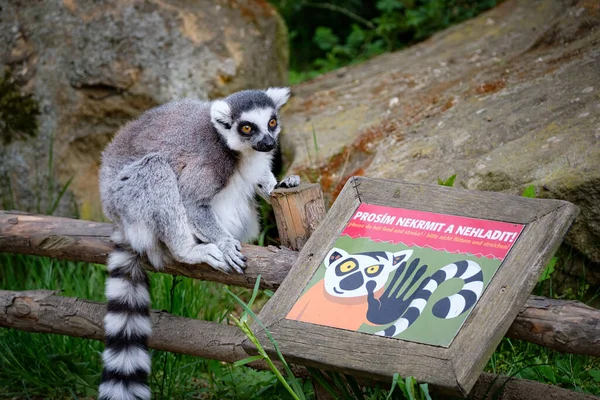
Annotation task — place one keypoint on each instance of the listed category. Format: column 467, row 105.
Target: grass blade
column 51, row 210
column 297, row 389
column 424, row 388
column 254, row 292
column 341, row 385
column 395, row 380
column 356, row 390
column 529, row 192
column 410, row 387
column 247, row 360
column 318, row 376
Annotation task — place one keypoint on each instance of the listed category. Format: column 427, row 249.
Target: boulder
column 506, row 100
column 91, row 66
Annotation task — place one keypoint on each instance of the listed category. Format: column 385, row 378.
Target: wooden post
column 298, row 212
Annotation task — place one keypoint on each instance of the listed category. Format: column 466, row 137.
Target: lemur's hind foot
column 209, row 254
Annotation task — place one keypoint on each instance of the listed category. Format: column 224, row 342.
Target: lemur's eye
column 273, row 123
column 246, row 129
column 347, row 266
column 373, row 270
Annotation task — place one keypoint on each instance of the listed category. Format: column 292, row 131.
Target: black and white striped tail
column 127, row 328
column 448, row 307
column 456, row 304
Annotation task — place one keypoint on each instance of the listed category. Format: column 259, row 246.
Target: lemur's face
column 259, row 128
column 347, row 275
column 249, row 120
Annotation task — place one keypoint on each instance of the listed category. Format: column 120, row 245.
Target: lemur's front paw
column 232, row 254
column 289, row 182
column 266, row 186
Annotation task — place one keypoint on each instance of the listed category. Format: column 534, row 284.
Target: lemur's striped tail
column 448, row 307
column 127, row 327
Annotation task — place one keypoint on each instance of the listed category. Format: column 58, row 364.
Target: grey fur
column 247, row 100
column 179, row 183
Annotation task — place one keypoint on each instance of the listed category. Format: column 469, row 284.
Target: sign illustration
column 407, row 274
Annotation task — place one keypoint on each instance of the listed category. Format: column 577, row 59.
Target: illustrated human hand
column 390, row 306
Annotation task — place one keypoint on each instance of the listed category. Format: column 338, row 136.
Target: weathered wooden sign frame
column 451, row 369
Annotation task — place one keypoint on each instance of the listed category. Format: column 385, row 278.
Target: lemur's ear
column 220, row 113
column 334, row 255
column 401, row 256
column 279, row 96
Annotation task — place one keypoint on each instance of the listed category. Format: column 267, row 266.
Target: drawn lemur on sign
column 350, row 292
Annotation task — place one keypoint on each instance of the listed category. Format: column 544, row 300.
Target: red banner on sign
column 480, row 237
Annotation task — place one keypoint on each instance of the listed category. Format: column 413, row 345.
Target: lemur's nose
column 353, row 281
column 268, row 143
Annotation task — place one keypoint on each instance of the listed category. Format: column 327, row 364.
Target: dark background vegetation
column 328, row 35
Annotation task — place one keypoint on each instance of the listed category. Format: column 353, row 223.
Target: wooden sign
column 415, row 279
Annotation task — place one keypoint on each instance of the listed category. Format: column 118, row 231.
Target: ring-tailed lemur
column 179, row 183
column 345, row 298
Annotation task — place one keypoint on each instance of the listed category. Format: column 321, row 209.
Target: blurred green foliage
column 329, row 35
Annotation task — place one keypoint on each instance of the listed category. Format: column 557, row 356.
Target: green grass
column 35, row 365
column 530, row 361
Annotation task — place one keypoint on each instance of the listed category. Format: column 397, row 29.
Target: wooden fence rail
column 44, row 311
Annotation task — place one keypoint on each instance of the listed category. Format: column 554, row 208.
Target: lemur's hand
column 265, row 187
column 289, row 182
column 231, row 249
column 391, row 306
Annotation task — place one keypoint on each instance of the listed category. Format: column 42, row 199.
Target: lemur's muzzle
column 266, row 144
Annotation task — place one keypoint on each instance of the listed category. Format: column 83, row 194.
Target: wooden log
column 490, row 386
column 43, row 311
column 544, row 322
column 87, row 241
column 298, row 212
column 558, row 324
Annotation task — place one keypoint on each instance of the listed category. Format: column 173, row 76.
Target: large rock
column 506, row 100
column 92, row 66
